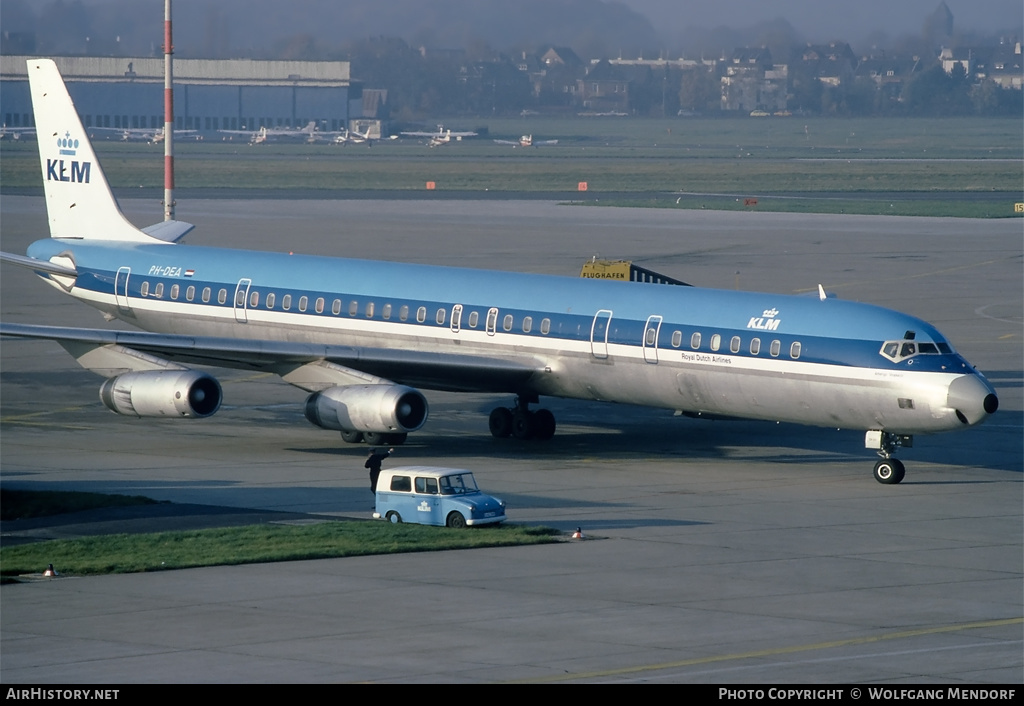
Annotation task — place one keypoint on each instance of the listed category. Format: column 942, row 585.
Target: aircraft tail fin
column 79, row 203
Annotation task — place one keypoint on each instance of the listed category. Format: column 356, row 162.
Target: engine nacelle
column 376, row 408
column 162, row 393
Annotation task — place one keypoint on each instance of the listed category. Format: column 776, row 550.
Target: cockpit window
column 898, row 351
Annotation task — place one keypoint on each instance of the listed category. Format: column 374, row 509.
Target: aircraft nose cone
column 972, row 398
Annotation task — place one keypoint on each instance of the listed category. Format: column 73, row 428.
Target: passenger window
column 677, row 339
column 507, row 323
column 426, row 485
column 439, row 317
column 286, row 302
column 755, row 346
column 794, row 350
column 716, row 342
column 734, row 344
column 545, row 326
column 527, row 324
column 336, row 307
column 695, row 340
column 270, row 300
column 401, row 484
column 403, row 313
column 158, row 291
column 474, row 319
column 222, row 296
column 369, row 310
column 190, row 293
column 492, row 320
column 650, row 336
column 206, row 295
column 421, row 314
column 319, row 306
column 386, row 312
column 254, row 299
column 174, row 291
column 353, row 308
column 775, row 349
column 144, row 290
column 303, row 302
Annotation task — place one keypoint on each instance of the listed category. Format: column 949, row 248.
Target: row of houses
column 750, row 79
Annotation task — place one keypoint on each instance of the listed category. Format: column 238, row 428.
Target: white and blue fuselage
column 804, row 359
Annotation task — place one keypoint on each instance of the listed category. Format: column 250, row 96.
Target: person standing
column 373, row 461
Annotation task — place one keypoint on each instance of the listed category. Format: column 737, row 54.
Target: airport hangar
column 209, row 95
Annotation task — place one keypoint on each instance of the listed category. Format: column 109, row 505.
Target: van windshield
column 458, row 484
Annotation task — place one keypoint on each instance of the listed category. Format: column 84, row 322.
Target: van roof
column 426, row 471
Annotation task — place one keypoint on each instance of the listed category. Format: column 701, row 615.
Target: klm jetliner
column 363, row 336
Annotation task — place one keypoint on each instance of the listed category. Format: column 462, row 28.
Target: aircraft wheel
column 376, row 438
column 456, row 521
column 351, row 437
column 524, row 424
column 889, row 471
column 395, row 439
column 500, row 423
column 545, row 423
column 394, row 518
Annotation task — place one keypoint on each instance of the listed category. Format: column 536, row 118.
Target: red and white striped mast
column 168, row 117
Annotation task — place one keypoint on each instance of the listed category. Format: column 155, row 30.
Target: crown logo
column 67, row 145
column 770, row 313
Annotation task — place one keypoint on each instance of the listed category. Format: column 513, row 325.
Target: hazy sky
column 823, row 20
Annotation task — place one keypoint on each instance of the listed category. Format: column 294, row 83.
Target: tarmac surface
column 716, row 552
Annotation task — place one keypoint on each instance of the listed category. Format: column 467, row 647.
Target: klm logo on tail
column 71, row 170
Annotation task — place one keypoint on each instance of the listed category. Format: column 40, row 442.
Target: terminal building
column 209, row 95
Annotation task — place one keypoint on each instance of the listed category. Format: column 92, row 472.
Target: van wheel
column 456, row 521
column 394, row 518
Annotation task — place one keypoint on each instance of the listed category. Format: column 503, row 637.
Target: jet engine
column 162, row 393
column 368, row 408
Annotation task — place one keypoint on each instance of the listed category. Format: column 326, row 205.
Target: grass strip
column 939, row 208
column 161, row 551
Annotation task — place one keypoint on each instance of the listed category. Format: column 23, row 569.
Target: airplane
column 16, row 133
column 526, row 141
column 354, row 137
column 265, row 134
column 153, row 136
column 441, row 137
column 362, row 337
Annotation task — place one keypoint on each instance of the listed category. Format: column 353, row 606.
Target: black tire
column 352, row 437
column 393, row 517
column 376, row 438
column 524, row 424
column 889, row 471
column 396, row 439
column 455, row 520
column 500, row 423
column 544, row 422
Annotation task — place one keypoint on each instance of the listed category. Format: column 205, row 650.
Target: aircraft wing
column 437, row 371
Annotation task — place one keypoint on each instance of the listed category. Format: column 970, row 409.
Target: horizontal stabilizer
column 169, row 231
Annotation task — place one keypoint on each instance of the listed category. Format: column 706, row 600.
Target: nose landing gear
column 889, row 471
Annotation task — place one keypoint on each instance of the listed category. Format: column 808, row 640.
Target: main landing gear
column 520, row 422
column 373, row 438
column 889, row 471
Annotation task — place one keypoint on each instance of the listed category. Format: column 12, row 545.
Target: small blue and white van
column 425, row 495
